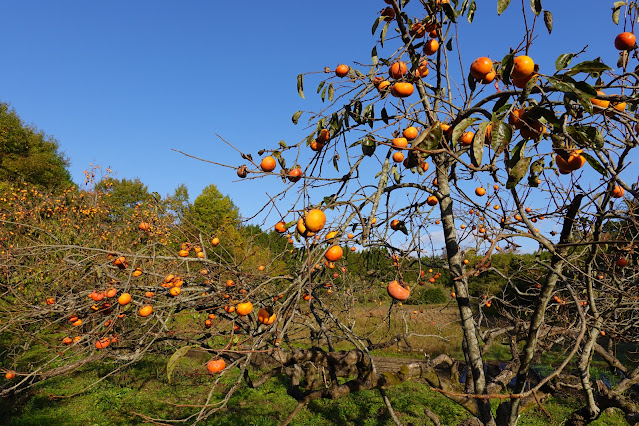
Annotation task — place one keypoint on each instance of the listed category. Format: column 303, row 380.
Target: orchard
column 427, row 167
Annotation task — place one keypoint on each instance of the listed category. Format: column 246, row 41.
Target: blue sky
column 121, row 83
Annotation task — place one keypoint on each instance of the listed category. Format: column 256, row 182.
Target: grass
column 143, row 388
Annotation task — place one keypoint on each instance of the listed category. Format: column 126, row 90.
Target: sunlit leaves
column 501, row 136
column 429, row 139
column 477, row 147
column 174, row 360
column 379, row 20
column 588, row 67
column 518, row 172
column 296, row 117
column 502, row 5
column 616, row 8
column 548, row 20
column 595, row 164
column 586, row 136
column 382, row 36
column 450, row 12
column 563, row 60
column 507, row 66
column 300, row 85
column 471, row 11
column 535, row 5
column 566, row 84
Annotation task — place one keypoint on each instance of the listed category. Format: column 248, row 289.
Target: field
column 101, row 394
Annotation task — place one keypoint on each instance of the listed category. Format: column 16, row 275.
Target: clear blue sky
column 119, row 83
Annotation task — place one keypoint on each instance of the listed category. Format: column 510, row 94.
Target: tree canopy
column 29, row 155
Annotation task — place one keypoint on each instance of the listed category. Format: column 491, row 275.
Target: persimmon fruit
column 315, row 220
column 266, row 316
column 146, row 311
column 625, row 41
column 268, row 164
column 402, row 89
column 244, row 308
column 398, row 70
column 334, row 253
column 215, row 366
column 523, row 66
column 480, row 68
column 397, row 291
column 342, row 70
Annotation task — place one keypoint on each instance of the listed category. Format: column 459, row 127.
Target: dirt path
column 392, row 365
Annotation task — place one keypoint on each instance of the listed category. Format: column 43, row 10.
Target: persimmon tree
column 428, row 173
column 484, row 159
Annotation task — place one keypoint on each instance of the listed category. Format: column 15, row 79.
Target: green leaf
column 429, row 139
column 296, row 117
column 500, row 104
column 450, row 12
column 518, row 172
column 502, row 5
column 374, row 57
column 548, row 20
column 449, row 45
column 549, row 115
column 563, row 60
column 507, row 66
column 562, row 86
column 472, row 83
column 461, row 127
column 323, row 95
column 501, row 136
column 527, row 89
column 335, row 124
column 588, row 67
column 535, row 169
column 369, row 114
column 175, row 359
column 515, row 154
column 383, row 34
column 477, row 147
column 586, row 136
column 320, row 86
column 384, row 115
column 594, row 163
column 368, row 146
column 616, row 8
column 535, row 5
column 331, row 92
column 282, row 161
column 395, row 173
column 347, row 112
column 376, row 24
column 357, row 111
column 283, row 144
column 586, row 88
column 471, row 11
column 335, row 158
column 300, row 85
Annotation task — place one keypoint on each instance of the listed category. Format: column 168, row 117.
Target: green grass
column 143, row 388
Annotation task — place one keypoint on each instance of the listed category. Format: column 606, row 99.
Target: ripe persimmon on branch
column 410, row 173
